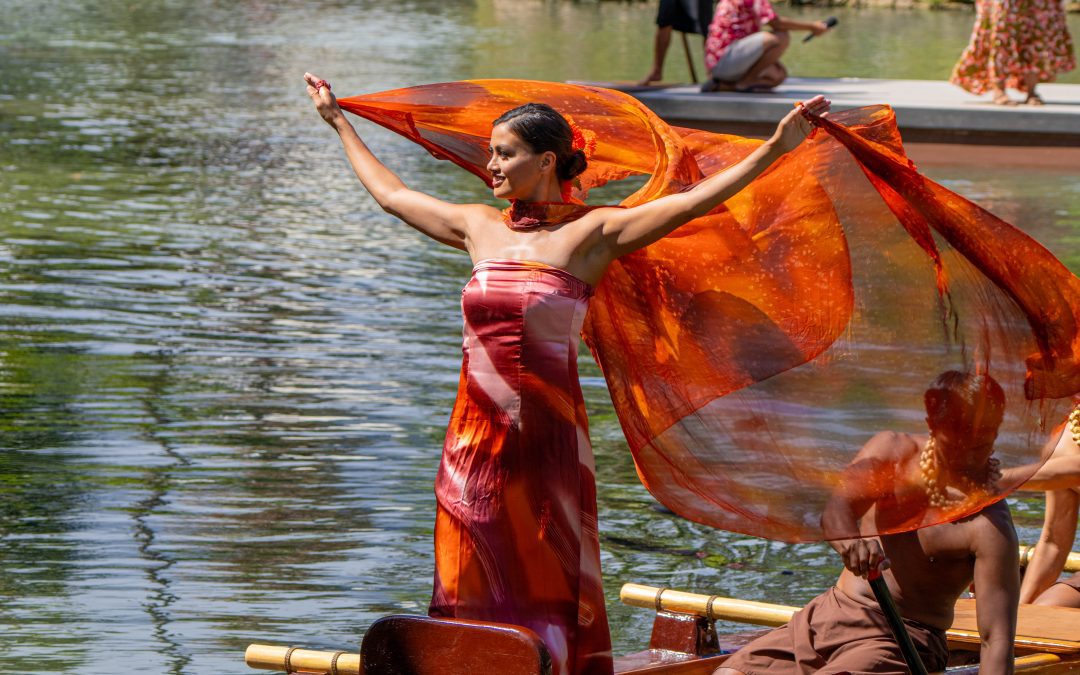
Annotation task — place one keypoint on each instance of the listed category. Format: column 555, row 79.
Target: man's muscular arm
column 997, row 588
column 870, row 477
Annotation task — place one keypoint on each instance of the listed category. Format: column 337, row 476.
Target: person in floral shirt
column 1015, row 43
column 740, row 55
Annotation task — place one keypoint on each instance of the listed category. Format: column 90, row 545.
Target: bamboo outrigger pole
column 1072, row 562
column 714, row 607
column 293, row 660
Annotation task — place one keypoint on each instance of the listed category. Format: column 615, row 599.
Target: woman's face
column 516, row 171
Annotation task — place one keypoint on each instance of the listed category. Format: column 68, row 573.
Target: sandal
column 1001, row 98
column 1034, row 99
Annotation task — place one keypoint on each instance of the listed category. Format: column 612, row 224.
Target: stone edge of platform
column 961, row 115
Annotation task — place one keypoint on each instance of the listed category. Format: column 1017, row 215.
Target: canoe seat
column 415, row 645
column 1039, row 628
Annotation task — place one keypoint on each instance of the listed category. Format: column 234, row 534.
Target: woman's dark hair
column 544, row 130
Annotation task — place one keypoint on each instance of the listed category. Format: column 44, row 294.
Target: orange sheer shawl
column 751, row 353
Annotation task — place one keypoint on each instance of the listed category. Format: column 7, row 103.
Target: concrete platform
column 926, row 111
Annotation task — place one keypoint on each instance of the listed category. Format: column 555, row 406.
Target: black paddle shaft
column 830, row 22
column 885, row 599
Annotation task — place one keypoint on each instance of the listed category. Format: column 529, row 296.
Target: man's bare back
column 910, row 484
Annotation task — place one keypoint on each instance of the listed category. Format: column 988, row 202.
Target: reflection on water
column 224, row 372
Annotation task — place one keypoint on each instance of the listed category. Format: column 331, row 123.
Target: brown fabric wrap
column 835, row 634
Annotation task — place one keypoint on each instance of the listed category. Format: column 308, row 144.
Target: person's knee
column 727, row 671
column 1059, row 595
column 779, row 39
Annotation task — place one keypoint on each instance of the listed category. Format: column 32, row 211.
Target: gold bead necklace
column 936, row 491
column 1074, row 424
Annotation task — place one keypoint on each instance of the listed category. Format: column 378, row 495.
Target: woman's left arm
column 627, row 230
column 1054, row 545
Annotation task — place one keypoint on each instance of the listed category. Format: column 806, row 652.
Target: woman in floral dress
column 1015, row 43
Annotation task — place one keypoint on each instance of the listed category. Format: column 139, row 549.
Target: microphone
column 829, row 23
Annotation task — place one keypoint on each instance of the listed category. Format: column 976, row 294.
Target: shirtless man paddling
column 901, row 480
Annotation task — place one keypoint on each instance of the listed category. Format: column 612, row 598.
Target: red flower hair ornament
column 582, row 139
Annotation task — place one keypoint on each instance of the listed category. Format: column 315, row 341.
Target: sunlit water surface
column 225, row 373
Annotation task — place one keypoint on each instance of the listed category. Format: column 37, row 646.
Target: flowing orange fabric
column 751, row 353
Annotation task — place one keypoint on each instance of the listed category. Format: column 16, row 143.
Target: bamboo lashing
column 1072, row 562
column 272, row 657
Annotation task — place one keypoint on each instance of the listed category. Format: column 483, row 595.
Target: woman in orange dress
column 516, row 529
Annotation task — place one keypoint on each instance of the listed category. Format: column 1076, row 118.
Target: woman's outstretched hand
column 796, row 125
column 325, row 101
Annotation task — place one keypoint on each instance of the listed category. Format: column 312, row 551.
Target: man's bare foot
column 1034, row 99
column 654, row 76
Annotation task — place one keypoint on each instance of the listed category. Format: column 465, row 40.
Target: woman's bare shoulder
column 481, row 212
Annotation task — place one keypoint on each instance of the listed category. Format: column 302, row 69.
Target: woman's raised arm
column 630, row 229
column 442, row 221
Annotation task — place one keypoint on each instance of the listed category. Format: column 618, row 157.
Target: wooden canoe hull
column 681, row 644
column 683, row 641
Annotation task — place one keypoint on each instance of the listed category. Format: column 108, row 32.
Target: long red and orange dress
column 516, row 535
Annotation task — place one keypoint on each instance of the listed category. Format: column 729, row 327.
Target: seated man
column 741, row 56
column 1060, row 478
column 685, row 16
column 901, row 480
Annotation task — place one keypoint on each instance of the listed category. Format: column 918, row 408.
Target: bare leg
column 775, row 45
column 998, row 95
column 1030, row 82
column 1061, row 595
column 660, row 47
column 727, row 671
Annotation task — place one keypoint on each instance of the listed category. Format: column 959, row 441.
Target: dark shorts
column 687, row 16
column 1072, row 582
column 835, row 634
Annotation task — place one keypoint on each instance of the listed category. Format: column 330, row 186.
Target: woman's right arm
column 442, row 221
column 1055, row 542
column 626, row 230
